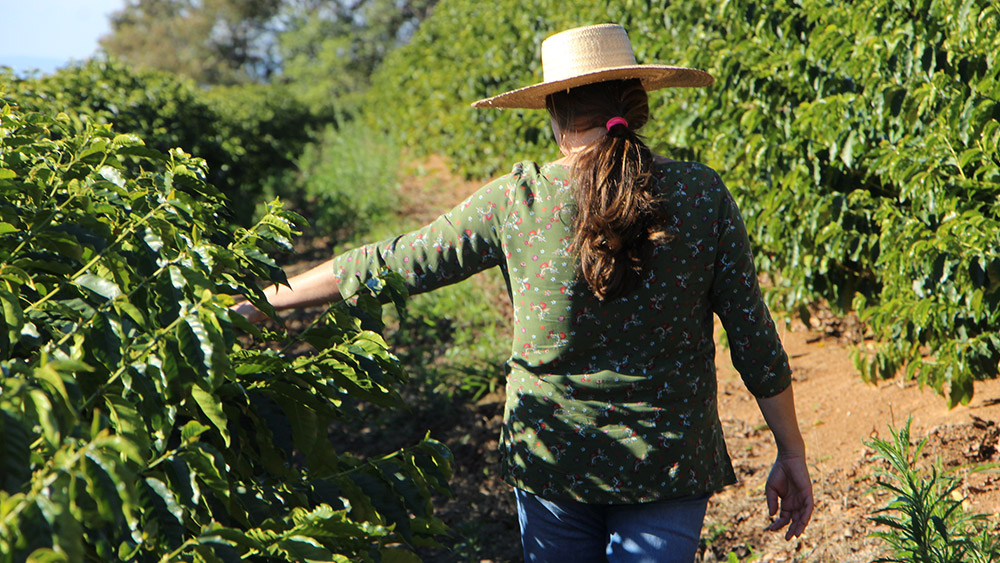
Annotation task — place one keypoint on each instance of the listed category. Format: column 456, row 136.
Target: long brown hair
column 619, row 219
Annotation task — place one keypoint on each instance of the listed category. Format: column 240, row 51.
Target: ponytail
column 619, row 219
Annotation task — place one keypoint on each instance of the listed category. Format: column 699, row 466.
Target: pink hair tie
column 615, row 121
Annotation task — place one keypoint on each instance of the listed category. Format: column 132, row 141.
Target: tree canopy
column 330, row 47
column 212, row 41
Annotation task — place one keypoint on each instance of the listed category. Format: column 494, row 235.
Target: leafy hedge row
column 249, row 135
column 861, row 139
column 134, row 424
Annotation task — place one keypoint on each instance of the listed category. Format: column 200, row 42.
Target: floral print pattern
column 615, row 401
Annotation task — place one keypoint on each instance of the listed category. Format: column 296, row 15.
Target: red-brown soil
column 837, row 412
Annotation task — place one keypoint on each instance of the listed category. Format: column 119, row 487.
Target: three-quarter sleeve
column 754, row 344
column 456, row 245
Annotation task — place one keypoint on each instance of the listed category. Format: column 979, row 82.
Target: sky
column 48, row 34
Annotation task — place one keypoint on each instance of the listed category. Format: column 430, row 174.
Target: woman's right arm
column 317, row 286
column 456, row 245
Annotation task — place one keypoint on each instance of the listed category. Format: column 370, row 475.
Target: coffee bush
column 136, row 423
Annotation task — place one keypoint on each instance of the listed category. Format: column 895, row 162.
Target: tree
column 328, row 47
column 211, row 41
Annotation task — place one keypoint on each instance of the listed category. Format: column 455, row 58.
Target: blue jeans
column 566, row 531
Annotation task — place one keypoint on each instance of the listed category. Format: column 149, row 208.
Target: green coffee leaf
column 128, row 422
column 212, row 408
column 13, row 319
column 15, row 467
column 127, row 140
column 45, row 416
column 162, row 516
column 303, row 548
column 101, row 286
column 192, row 430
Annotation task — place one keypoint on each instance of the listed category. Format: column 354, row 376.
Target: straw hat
column 585, row 55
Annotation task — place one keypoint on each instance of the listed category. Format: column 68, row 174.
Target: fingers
column 795, row 530
column 801, row 520
column 248, row 311
column 783, row 519
column 775, row 488
column 804, row 513
column 796, row 518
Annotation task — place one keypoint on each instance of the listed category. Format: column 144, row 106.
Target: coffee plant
column 248, row 135
column 862, row 140
column 141, row 420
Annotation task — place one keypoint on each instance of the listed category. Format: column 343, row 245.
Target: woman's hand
column 247, row 309
column 789, row 495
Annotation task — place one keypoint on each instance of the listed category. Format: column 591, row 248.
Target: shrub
column 862, row 140
column 134, row 425
column 925, row 524
column 349, row 179
column 262, row 129
column 248, row 135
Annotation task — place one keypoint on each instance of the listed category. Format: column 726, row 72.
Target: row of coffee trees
column 139, row 419
column 134, row 423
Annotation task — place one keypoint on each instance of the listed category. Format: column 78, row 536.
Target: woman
column 615, row 260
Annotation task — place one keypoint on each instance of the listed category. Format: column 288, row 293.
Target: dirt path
column 837, row 413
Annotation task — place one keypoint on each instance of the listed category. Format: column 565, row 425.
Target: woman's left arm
column 758, row 355
column 788, row 483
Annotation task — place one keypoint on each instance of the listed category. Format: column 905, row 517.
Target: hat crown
column 584, row 50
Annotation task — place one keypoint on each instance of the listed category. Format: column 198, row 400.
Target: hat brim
column 653, row 77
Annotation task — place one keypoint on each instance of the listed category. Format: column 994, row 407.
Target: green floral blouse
column 607, row 402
